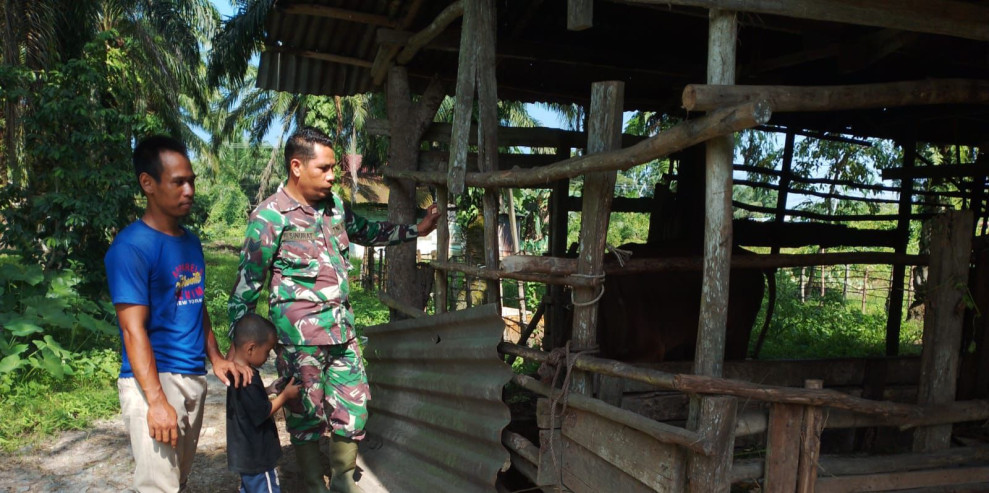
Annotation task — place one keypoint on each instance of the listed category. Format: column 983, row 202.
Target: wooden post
column 487, row 131
column 709, row 358
column 557, row 329
column 463, row 100
column 408, row 123
column 951, row 247
column 895, row 314
column 442, row 250
column 783, row 447
column 865, row 286
column 717, row 416
column 604, row 134
column 785, row 178
column 810, row 443
column 718, row 213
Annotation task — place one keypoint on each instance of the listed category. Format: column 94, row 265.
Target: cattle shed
column 906, row 70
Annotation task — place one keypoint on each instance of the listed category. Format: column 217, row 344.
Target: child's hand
column 292, row 389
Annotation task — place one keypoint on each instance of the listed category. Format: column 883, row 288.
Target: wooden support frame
column 946, row 17
column 783, row 447
column 951, row 246
column 680, row 136
column 417, row 41
column 604, row 131
column 315, row 10
column 317, row 55
column 698, row 97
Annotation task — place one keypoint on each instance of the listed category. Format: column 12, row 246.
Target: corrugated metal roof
column 436, row 386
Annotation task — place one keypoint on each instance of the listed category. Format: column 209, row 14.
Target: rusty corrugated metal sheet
column 436, row 406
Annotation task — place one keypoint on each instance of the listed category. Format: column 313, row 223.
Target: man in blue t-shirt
column 157, row 277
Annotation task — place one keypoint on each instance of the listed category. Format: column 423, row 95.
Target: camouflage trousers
column 334, row 390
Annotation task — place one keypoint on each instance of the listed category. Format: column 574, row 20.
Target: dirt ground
column 99, row 460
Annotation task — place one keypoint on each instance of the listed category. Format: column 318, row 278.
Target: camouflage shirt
column 306, row 249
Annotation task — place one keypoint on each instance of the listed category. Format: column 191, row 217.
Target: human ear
column 146, row 182
column 295, row 167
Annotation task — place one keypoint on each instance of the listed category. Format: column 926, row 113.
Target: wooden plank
column 810, row 443
column 550, row 457
column 857, row 465
column 716, row 423
column 580, row 14
column 903, row 480
column 783, row 447
column 487, row 126
column 697, row 97
column 604, row 134
column 658, row 465
column 951, row 246
column 678, row 137
column 463, row 100
column 946, row 17
column 585, row 472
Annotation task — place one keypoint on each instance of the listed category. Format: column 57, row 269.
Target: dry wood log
column 660, row 431
column 681, row 136
column 566, row 266
column 700, row 97
column 486, row 273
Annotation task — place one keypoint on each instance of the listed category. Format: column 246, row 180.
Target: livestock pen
column 832, row 69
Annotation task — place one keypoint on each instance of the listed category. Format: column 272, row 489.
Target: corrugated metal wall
column 436, row 402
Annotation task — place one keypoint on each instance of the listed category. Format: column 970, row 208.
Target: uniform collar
column 285, row 203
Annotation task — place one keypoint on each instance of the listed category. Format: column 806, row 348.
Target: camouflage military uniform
column 306, row 249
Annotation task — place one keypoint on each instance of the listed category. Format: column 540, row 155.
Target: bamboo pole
column 683, row 135
column 699, row 97
column 442, row 250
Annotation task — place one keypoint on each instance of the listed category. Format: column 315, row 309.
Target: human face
column 257, row 354
column 175, row 193
column 316, row 175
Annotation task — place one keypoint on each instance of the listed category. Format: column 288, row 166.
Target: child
column 252, row 440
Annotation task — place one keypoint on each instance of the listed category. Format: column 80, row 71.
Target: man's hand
column 162, row 422
column 240, row 374
column 428, row 223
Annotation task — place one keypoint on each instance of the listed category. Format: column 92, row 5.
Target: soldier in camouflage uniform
column 301, row 235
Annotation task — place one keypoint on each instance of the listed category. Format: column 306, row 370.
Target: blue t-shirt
column 168, row 275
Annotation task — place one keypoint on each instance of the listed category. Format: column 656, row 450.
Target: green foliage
column 79, row 187
column 827, row 327
column 56, row 372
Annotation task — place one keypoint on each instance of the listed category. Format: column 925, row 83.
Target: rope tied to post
column 557, row 356
column 596, row 299
column 621, row 255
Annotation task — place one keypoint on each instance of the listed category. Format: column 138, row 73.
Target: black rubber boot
column 343, row 462
column 310, row 461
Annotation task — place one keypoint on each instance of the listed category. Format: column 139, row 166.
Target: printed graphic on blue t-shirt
column 168, row 275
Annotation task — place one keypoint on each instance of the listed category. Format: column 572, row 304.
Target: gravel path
column 99, row 460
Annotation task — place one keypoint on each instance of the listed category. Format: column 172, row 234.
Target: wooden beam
column 313, row 10
column 698, row 97
column 415, row 43
column 463, row 101
column 316, row 55
column 946, row 17
column 567, row 266
column 386, row 53
column 810, row 443
column 394, row 304
column 495, row 274
column 951, row 246
column 508, row 136
column 977, row 477
column 680, row 136
column 580, row 14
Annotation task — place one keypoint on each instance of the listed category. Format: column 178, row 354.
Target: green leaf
column 22, row 327
column 11, row 363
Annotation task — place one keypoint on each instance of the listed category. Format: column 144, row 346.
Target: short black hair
column 252, row 328
column 300, row 144
column 147, row 154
